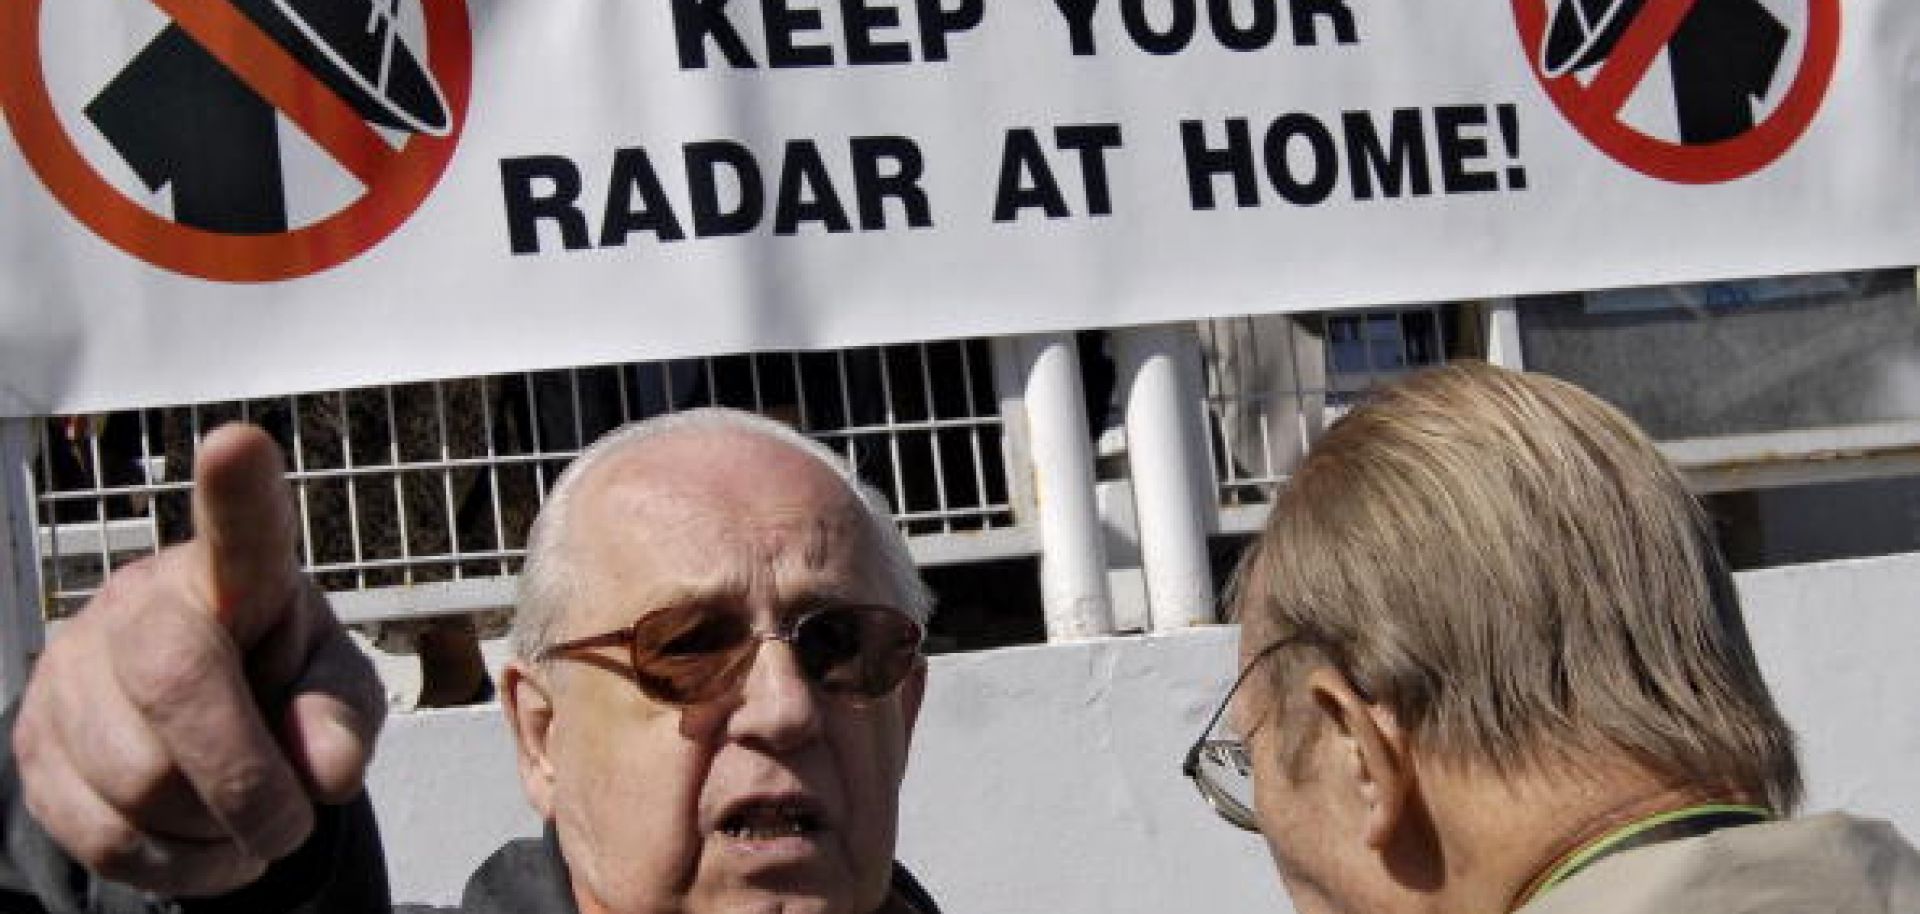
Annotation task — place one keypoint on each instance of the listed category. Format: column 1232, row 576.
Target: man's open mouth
column 768, row 821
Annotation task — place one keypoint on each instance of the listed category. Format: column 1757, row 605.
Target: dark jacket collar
column 529, row 876
column 522, row 877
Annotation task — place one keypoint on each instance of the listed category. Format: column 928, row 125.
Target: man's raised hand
column 177, row 732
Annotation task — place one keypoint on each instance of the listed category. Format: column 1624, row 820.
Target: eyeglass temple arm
column 1192, row 762
column 606, row 639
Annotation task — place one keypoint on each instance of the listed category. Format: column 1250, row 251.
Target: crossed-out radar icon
column 1742, row 79
column 197, row 116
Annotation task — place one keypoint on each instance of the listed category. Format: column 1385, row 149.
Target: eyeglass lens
column 1224, row 774
column 693, row 654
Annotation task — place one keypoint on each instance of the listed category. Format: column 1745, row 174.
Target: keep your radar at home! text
column 718, row 187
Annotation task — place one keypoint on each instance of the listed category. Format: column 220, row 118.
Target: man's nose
column 779, row 710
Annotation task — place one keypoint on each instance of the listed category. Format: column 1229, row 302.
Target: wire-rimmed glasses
column 1218, row 763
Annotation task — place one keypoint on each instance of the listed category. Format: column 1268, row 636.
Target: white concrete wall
column 1046, row 779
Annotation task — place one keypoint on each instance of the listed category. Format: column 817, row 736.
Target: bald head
column 705, row 470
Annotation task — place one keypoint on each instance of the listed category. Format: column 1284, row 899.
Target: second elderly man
column 1492, row 661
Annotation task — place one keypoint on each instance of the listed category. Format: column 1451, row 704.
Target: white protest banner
column 214, row 198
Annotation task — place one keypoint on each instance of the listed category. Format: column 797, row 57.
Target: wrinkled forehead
column 717, row 516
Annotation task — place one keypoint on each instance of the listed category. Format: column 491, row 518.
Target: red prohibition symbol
column 333, row 69
column 1723, row 56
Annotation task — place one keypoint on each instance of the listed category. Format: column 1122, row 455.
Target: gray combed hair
column 547, row 580
column 1513, row 568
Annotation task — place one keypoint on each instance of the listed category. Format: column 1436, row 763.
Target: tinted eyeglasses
column 696, row 653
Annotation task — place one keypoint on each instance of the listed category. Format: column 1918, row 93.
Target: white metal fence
column 1274, row 382
column 415, row 499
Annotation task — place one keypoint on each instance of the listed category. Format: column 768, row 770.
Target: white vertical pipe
column 22, row 633
column 1503, row 334
column 1073, row 551
column 1172, row 479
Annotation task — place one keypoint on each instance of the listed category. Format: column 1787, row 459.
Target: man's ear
column 529, row 711
column 1374, row 753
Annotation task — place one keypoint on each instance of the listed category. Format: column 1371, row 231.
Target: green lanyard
column 1671, row 825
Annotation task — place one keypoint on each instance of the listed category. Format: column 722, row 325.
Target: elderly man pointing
column 718, row 670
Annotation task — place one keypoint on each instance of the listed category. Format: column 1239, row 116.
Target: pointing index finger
column 244, row 529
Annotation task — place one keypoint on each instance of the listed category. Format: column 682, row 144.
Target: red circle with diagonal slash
column 1595, row 108
column 396, row 182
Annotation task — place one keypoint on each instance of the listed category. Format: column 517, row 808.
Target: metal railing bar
column 399, row 486
column 973, row 434
column 800, row 394
column 301, row 498
column 933, row 438
column 579, row 417
column 353, row 490
column 893, row 433
column 446, row 475
column 96, row 470
column 493, row 471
